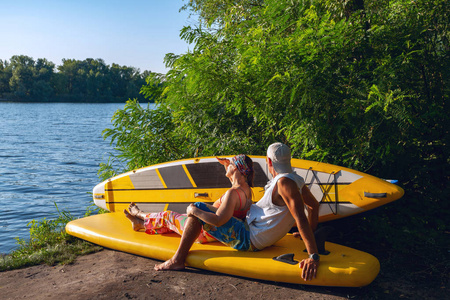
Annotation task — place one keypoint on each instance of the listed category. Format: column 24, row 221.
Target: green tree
column 5, row 76
column 118, row 81
column 362, row 84
column 90, row 80
column 142, row 136
column 337, row 82
column 67, row 73
column 21, row 81
column 349, row 83
column 42, row 88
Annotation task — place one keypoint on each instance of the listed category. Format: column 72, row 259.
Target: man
column 281, row 207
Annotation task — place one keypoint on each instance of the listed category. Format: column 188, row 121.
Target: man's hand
column 309, row 267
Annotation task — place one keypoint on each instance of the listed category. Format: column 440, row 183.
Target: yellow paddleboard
column 343, row 266
column 340, row 191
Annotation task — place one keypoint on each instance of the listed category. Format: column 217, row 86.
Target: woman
column 234, row 203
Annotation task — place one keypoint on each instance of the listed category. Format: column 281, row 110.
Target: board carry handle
column 196, row 195
column 375, row 195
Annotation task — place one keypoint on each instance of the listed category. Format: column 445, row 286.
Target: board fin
column 320, row 236
column 286, row 258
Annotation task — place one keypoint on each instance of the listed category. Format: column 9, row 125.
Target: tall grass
column 48, row 244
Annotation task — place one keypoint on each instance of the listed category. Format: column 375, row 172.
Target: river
column 49, row 154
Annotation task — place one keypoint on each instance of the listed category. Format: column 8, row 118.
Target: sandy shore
column 110, row 274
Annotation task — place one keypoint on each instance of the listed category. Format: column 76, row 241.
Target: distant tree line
column 24, row 79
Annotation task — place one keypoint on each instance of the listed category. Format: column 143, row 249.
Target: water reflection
column 49, row 153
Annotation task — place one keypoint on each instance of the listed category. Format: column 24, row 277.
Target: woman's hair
column 251, row 174
column 244, row 164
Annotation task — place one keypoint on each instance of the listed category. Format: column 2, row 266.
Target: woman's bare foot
column 137, row 223
column 134, row 209
column 169, row 265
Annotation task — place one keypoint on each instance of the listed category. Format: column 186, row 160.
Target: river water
column 49, row 153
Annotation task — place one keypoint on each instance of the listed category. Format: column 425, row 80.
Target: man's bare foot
column 169, row 265
column 137, row 223
column 134, row 209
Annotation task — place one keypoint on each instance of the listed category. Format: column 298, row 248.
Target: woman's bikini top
column 239, row 213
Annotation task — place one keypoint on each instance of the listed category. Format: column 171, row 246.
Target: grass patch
column 48, row 244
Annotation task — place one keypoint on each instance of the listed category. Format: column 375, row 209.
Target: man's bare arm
column 290, row 193
column 288, row 190
column 312, row 207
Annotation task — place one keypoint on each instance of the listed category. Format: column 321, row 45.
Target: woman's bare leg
column 136, row 211
column 136, row 222
column 190, row 234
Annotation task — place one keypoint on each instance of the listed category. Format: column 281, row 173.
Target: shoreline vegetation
column 48, row 243
column 23, row 79
column 360, row 84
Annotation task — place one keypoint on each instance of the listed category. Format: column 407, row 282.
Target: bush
column 49, row 243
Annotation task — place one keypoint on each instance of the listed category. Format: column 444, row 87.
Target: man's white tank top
column 268, row 222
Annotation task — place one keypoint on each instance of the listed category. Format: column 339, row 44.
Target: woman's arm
column 217, row 203
column 223, row 213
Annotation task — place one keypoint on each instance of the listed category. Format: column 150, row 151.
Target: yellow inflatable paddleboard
column 343, row 266
column 340, row 191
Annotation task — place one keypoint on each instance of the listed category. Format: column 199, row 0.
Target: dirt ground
column 111, row 274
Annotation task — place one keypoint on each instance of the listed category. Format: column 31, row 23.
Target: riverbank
column 110, row 274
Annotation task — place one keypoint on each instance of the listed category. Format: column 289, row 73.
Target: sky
column 133, row 33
